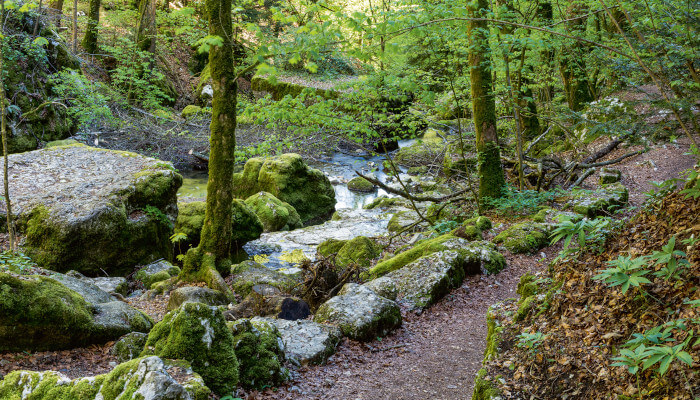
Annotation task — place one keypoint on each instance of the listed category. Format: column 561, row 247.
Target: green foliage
column 661, row 189
column 445, row 226
column 530, row 341
column 15, row 262
column 671, row 260
column 589, row 234
column 87, row 100
column 515, row 203
column 625, row 272
column 156, row 214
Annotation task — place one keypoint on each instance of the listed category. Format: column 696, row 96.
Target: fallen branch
column 409, row 196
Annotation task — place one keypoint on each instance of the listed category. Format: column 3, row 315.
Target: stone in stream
column 274, row 214
column 306, row 342
column 146, row 378
column 39, row 312
column 426, row 280
column 288, row 178
column 360, row 184
column 93, row 210
column 195, row 294
column 360, row 313
column 190, row 221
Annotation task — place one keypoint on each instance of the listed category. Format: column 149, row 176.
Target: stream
column 354, row 219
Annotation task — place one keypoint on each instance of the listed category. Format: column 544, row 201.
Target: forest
column 349, row 199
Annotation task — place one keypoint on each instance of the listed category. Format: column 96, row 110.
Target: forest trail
column 436, row 355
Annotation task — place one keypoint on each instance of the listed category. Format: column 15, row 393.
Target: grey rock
column 383, row 286
column 156, row 272
column 194, row 294
column 129, row 346
column 306, row 342
column 360, row 313
column 605, row 199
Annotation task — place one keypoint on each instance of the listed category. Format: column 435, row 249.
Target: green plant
column 661, row 189
column 516, row 203
column 530, row 341
column 665, row 355
column 157, row 215
column 671, row 259
column 625, row 272
column 87, row 100
column 632, row 359
column 15, row 262
column 442, row 227
column 589, row 233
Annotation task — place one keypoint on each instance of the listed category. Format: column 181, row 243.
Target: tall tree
column 146, row 30
column 90, row 39
column 3, row 131
column 491, row 178
column 56, row 10
column 214, row 250
column 572, row 62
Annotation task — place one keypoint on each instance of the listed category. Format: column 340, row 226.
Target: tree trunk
column 3, row 131
column 491, row 178
column 75, row 26
column 146, row 30
column 545, row 15
column 90, row 39
column 56, row 11
column 214, row 250
column 572, row 65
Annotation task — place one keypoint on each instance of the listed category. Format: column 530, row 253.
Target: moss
column 491, row 177
column 330, row 246
column 260, row 353
column 402, row 220
column 524, row 306
column 360, row 184
column 481, row 222
column 278, row 89
column 419, row 153
column 129, row 346
column 607, row 198
column 190, row 220
column 192, row 111
column 37, row 312
column 484, row 389
column 249, row 273
column 385, row 202
column 493, row 336
column 453, row 163
column 57, row 143
column 20, row 385
column 527, row 286
column 469, row 232
column 360, row 250
column 525, row 237
column 198, row 334
column 274, row 214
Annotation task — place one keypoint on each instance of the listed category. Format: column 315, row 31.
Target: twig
column 376, row 350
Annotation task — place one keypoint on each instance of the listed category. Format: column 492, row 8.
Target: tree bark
column 90, row 38
column 3, row 131
column 214, row 250
column 572, row 65
column 56, row 10
column 490, row 170
column 146, row 30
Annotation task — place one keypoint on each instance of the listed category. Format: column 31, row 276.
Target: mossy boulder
column 192, row 111
column 190, row 220
column 129, row 346
column 360, row 313
column 484, row 389
column 406, row 221
column 93, row 210
column 148, row 378
column 288, row 178
column 600, row 201
column 384, row 202
column 274, row 214
column 524, row 237
column 360, row 184
column 109, row 284
column 453, row 163
column 278, row 89
column 469, row 232
column 481, row 222
column 196, row 294
column 609, row 175
column 383, row 286
column 43, row 313
column 360, row 250
column 478, row 255
column 552, row 217
column 260, row 352
column 156, row 272
column 249, row 273
column 330, row 246
column 420, row 153
column 198, row 333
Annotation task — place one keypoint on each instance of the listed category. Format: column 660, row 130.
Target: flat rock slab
column 306, row 342
column 360, row 313
column 91, row 209
column 600, row 201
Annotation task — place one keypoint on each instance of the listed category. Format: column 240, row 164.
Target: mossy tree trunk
column 572, row 65
column 212, row 256
column 90, row 39
column 56, row 10
column 545, row 15
column 490, row 170
column 146, row 30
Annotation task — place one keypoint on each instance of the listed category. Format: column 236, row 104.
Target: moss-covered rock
column 196, row 294
column 260, row 352
column 44, row 313
column 481, row 222
column 600, row 201
column 279, row 89
column 383, row 286
column 249, row 273
column 289, row 179
column 525, row 237
column 144, row 378
column 420, row 153
column 330, row 246
column 156, row 272
column 609, row 175
column 484, row 389
column 478, row 255
column 360, row 184
column 360, row 250
column 384, row 202
column 469, row 232
column 274, row 214
column 192, row 111
column 115, row 209
column 453, row 163
column 198, row 333
column 56, row 143
column 553, row 217
column 360, row 313
column 129, row 346
column 190, row 220
column 406, row 221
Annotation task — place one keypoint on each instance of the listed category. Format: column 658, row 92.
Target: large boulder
column 196, row 294
column 49, row 313
column 360, row 313
column 190, row 220
column 306, row 342
column 260, row 353
column 426, row 280
column 156, row 272
column 360, row 250
column 525, row 237
column 198, row 333
column 274, row 214
column 110, row 284
column 93, row 210
column 129, row 346
column 606, row 199
column 289, row 179
column 246, row 275
column 147, row 378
